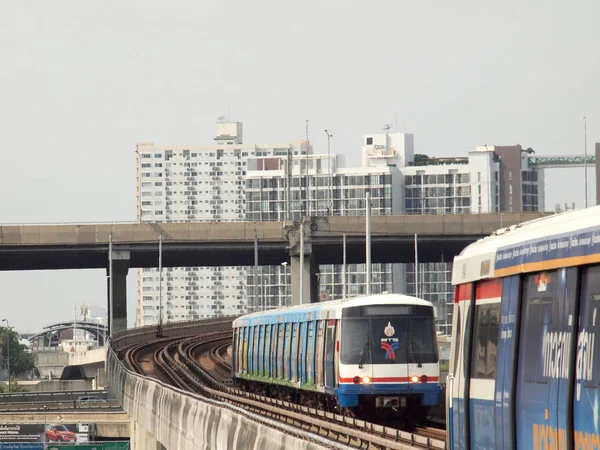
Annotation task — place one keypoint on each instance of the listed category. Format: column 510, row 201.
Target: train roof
column 329, row 309
column 561, row 240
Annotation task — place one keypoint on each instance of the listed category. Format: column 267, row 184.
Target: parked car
column 60, row 433
column 91, row 399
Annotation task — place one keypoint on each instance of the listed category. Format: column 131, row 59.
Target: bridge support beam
column 120, row 268
column 310, row 278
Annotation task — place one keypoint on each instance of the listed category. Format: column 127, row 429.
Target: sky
column 83, row 82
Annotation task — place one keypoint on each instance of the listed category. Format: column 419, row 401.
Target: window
column 485, row 341
column 369, row 141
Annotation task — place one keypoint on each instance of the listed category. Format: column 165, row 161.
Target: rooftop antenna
column 386, row 127
column 228, row 113
column 221, row 118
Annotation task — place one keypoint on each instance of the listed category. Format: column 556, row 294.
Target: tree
column 21, row 361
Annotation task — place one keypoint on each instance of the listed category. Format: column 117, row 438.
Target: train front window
column 356, row 342
column 408, row 338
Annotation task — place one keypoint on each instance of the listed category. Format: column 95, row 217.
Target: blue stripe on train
column 348, row 393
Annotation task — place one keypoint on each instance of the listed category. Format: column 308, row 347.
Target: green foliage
column 21, row 361
column 444, row 365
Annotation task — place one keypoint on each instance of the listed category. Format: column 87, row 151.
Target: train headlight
column 366, row 380
column 423, row 378
column 414, row 379
column 356, row 380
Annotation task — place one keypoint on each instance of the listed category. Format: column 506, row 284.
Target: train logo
column 389, row 330
column 390, row 348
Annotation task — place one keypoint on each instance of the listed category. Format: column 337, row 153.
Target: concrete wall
column 57, row 385
column 182, row 421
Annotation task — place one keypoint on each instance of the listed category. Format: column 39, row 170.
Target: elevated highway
column 86, row 246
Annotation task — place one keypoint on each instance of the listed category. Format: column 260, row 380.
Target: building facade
column 231, row 181
column 177, row 184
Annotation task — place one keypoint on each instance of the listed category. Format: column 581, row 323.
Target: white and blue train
column 360, row 355
column 523, row 369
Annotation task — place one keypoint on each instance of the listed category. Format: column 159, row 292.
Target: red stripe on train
column 463, row 292
column 389, row 379
column 485, row 289
column 489, row 289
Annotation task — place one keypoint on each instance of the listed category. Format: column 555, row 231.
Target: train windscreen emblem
column 390, row 345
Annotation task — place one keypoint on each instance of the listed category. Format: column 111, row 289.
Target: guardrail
column 50, row 396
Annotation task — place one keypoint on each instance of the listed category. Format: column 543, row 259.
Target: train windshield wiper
column 363, row 355
column 415, row 352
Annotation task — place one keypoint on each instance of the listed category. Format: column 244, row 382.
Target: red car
column 60, row 433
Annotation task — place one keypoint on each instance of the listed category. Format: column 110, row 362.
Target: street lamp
column 284, row 264
column 7, row 350
column 329, row 199
column 44, row 432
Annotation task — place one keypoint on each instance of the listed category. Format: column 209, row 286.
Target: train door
column 302, row 349
column 505, row 385
column 294, row 352
column 280, row 350
column 329, row 354
column 255, row 332
column 234, row 351
column 260, row 350
column 267, row 353
column 244, row 350
column 250, row 348
column 287, row 352
column 484, row 363
column 458, row 377
column 586, row 395
column 548, row 306
column 320, row 358
column 310, row 354
column 274, row 350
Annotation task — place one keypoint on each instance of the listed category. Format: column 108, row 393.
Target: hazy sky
column 83, row 82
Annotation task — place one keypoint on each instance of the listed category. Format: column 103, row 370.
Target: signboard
column 21, row 446
column 30, row 433
column 78, row 447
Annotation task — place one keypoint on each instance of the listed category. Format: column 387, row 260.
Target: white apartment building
column 196, row 184
column 230, row 181
column 489, row 179
column 279, row 188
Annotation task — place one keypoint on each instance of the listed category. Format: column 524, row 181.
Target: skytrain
column 364, row 355
column 523, row 371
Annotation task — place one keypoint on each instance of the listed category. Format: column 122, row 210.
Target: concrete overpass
column 85, row 246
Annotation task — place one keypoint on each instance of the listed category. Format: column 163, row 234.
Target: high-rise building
column 282, row 188
column 230, row 181
column 490, row 179
column 176, row 184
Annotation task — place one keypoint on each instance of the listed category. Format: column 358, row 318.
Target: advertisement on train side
column 30, row 433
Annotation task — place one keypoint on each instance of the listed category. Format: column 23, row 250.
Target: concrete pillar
column 120, row 262
column 310, row 280
column 597, row 173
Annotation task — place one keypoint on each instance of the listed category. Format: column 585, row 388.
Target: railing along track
column 177, row 360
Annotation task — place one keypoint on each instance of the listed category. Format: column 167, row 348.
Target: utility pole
column 7, row 350
column 110, row 286
column 160, row 309
column 329, row 181
column 585, row 174
column 368, row 242
column 256, row 298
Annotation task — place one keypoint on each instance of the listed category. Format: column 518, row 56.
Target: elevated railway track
column 200, row 363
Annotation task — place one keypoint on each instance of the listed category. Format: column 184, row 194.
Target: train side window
column 539, row 290
column 458, row 337
column 485, row 341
